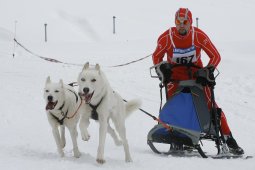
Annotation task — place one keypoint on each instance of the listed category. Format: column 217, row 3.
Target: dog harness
column 94, row 114
column 61, row 121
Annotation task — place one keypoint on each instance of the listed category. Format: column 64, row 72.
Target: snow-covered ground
column 81, row 31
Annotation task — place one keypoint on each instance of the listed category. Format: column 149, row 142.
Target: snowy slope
column 81, row 31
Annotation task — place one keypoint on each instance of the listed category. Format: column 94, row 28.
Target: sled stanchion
column 216, row 122
column 160, row 86
column 200, row 151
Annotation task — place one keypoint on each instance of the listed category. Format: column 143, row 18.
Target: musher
column 183, row 45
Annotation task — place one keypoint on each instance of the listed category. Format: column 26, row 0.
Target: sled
column 187, row 116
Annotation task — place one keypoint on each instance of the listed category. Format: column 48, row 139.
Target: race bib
column 184, row 55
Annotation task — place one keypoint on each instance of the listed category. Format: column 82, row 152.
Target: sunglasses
column 184, row 22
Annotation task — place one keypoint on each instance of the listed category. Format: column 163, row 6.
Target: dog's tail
column 132, row 105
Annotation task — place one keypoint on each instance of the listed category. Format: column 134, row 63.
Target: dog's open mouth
column 51, row 105
column 86, row 97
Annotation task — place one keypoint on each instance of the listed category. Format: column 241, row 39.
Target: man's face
column 182, row 25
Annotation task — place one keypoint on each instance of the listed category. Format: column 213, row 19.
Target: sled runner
column 186, row 115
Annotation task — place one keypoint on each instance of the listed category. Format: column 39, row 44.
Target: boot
column 233, row 146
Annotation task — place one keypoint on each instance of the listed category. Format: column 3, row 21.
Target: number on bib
column 184, row 60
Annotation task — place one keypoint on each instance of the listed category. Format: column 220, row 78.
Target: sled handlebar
column 168, row 66
column 164, row 72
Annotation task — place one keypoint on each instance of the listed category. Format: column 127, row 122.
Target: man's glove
column 205, row 76
column 164, row 72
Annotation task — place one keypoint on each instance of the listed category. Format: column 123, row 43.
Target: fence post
column 197, row 21
column 45, row 32
column 114, row 24
column 14, row 46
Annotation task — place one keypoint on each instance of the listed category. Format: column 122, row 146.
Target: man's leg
column 231, row 142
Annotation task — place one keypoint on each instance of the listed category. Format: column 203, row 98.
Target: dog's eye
column 56, row 91
column 82, row 79
column 47, row 91
column 93, row 80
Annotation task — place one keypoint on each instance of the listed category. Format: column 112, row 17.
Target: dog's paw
column 61, row 153
column 63, row 143
column 85, row 137
column 128, row 160
column 100, row 161
column 76, row 154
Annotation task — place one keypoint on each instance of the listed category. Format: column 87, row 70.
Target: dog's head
column 54, row 94
column 90, row 82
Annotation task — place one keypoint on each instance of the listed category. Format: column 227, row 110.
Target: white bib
column 184, row 55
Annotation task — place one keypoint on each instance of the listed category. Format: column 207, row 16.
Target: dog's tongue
column 50, row 105
column 88, row 98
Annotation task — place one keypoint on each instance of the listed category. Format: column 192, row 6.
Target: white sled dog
column 102, row 103
column 62, row 107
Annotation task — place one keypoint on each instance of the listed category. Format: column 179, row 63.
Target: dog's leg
column 84, row 124
column 122, row 132
column 102, row 136
column 56, row 135
column 112, row 132
column 74, row 134
column 62, row 136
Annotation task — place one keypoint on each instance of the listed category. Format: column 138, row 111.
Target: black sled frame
column 191, row 141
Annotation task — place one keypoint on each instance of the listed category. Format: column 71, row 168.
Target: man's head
column 183, row 21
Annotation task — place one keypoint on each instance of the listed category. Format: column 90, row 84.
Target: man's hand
column 205, row 76
column 164, row 72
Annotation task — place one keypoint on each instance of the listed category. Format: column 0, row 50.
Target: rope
column 168, row 127
column 75, row 111
column 61, row 62
column 45, row 58
column 120, row 65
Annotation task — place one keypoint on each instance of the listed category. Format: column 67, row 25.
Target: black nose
column 50, row 98
column 85, row 90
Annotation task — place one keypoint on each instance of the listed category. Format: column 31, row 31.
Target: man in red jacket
column 182, row 45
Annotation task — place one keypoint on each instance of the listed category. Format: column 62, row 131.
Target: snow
column 81, row 31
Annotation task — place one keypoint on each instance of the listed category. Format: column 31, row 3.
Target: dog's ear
column 61, row 83
column 97, row 67
column 86, row 66
column 48, row 80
